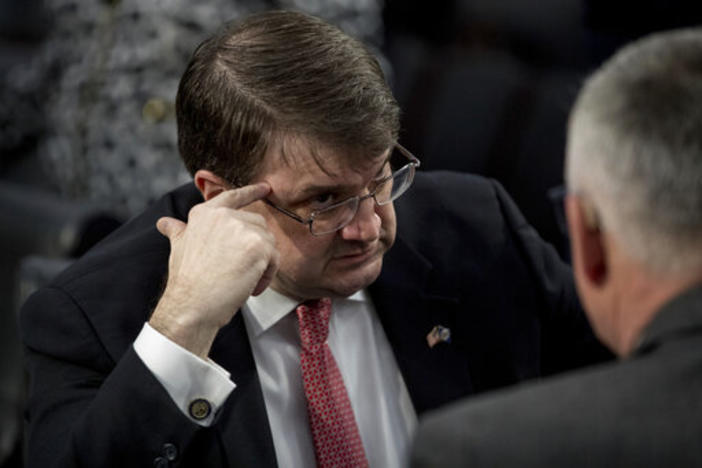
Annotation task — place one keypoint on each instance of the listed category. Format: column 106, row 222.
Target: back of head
column 276, row 74
column 635, row 149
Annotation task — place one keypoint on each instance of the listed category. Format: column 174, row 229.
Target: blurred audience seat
column 488, row 91
column 549, row 33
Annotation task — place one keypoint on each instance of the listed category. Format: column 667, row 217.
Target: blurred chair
column 549, row 33
column 472, row 95
column 434, row 22
column 533, row 163
column 491, row 91
column 484, row 111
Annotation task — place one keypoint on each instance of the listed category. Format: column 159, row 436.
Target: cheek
column 388, row 221
column 303, row 250
column 293, row 239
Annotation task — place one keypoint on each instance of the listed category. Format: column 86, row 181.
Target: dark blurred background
column 87, row 131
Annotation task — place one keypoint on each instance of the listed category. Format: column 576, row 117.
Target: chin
column 357, row 279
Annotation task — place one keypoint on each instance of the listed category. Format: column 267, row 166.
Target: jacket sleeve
column 84, row 409
column 567, row 339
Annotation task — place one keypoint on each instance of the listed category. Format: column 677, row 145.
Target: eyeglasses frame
column 413, row 161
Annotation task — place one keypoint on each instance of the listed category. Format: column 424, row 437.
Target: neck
column 645, row 293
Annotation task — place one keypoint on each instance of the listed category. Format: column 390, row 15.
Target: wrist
column 184, row 325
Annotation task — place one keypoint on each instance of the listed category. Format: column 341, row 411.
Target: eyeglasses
column 384, row 190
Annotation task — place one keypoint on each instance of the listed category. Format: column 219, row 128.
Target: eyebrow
column 311, row 190
column 315, row 189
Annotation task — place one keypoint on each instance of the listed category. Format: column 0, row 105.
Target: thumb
column 170, row 227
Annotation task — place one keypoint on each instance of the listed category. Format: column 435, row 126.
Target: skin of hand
column 223, row 255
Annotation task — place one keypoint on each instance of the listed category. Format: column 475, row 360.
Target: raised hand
column 218, row 259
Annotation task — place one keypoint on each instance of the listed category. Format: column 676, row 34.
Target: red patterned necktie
column 337, row 442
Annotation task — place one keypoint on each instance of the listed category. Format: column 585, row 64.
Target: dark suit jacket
column 645, row 411
column 464, row 259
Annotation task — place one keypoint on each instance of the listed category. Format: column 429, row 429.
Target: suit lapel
column 410, row 299
column 242, row 422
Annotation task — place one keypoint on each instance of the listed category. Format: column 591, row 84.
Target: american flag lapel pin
column 437, row 335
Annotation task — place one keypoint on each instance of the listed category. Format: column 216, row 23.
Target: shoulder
column 635, row 411
column 131, row 248
column 446, row 186
column 448, row 209
column 128, row 245
column 113, row 287
column 438, row 196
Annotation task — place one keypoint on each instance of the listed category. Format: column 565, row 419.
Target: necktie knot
column 314, row 321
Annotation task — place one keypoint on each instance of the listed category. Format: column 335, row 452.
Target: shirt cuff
column 197, row 387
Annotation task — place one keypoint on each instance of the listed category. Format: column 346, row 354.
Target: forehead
column 298, row 163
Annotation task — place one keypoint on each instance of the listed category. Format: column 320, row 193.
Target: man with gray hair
column 634, row 171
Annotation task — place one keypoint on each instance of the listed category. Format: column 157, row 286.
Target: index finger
column 241, row 196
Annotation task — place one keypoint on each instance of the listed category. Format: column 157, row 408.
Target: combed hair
column 635, row 148
column 275, row 74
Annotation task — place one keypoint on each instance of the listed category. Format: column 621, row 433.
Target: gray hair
column 635, row 149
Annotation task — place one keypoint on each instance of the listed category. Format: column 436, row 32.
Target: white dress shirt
column 384, row 413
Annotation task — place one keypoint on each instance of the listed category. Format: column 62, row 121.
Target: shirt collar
column 268, row 308
column 680, row 316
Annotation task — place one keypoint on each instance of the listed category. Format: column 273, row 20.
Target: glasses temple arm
column 294, row 216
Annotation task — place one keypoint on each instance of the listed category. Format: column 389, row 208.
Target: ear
column 586, row 241
column 209, row 184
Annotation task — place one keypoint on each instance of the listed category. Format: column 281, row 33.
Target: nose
column 365, row 226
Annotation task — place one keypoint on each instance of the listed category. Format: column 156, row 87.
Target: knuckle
column 254, row 218
column 271, row 237
column 261, row 265
column 195, row 211
column 259, row 219
column 222, row 212
column 260, row 241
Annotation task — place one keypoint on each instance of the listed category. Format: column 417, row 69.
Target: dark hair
column 280, row 73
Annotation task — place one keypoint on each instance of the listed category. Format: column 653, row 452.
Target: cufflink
column 438, row 334
column 199, row 409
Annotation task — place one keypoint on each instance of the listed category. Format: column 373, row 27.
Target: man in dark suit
column 187, row 337
column 634, row 170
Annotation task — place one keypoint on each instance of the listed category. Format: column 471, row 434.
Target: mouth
column 359, row 255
